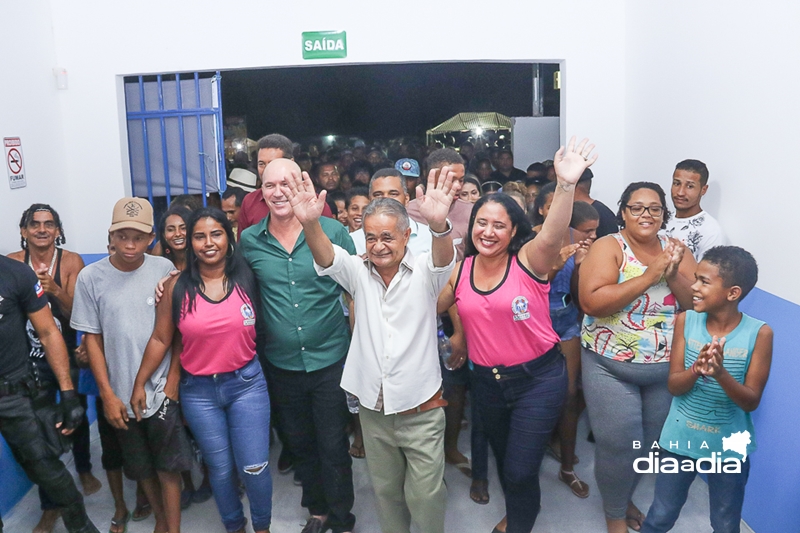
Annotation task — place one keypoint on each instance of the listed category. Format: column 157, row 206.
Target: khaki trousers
column 405, row 459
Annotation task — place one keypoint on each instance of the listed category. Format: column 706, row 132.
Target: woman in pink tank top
column 501, row 292
column 208, row 316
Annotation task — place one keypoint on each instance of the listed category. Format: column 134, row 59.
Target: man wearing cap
column 114, row 305
column 241, row 176
column 608, row 220
column 22, row 298
column 410, row 169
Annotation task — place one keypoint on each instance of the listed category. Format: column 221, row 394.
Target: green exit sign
column 324, row 44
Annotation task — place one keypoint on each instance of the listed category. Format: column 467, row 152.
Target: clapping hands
column 676, row 251
column 709, row 362
column 667, row 263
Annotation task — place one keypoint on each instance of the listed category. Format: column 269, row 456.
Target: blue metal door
column 175, row 136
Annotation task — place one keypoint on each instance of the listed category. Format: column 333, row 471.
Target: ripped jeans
column 228, row 414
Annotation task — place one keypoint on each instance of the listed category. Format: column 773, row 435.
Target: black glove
column 71, row 410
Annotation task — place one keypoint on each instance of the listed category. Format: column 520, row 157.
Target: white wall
column 649, row 83
column 721, row 85
column 98, row 41
column 29, row 109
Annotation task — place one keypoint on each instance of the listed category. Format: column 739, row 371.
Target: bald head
column 276, row 175
column 281, row 167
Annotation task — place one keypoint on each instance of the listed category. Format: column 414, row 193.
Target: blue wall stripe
column 773, row 490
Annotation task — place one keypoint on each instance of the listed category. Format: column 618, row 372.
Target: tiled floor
column 561, row 511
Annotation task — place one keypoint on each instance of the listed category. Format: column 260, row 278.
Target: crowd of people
column 340, row 295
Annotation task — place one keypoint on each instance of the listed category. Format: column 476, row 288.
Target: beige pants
column 405, row 458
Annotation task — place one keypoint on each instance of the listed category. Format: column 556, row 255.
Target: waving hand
column 572, row 161
column 435, row 203
column 299, row 189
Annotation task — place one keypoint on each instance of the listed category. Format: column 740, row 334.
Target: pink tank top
column 218, row 336
column 508, row 325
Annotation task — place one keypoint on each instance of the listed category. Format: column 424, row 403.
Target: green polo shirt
column 306, row 328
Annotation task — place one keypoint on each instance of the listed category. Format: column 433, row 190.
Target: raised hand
column 299, row 190
column 572, row 161
column 435, row 201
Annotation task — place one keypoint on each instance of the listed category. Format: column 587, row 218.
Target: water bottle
column 445, row 350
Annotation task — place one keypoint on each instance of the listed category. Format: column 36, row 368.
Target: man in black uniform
column 22, row 299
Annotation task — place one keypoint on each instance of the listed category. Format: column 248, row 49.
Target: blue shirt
column 706, row 413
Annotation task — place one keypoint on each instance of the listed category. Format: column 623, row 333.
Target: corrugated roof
column 471, row 121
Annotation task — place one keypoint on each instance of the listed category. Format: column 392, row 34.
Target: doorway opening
column 184, row 129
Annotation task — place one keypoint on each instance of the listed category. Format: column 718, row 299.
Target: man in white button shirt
column 392, row 365
column 391, row 183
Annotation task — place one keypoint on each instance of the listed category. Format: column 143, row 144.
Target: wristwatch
column 445, row 232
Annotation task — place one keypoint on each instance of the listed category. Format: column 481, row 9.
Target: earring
column 230, row 250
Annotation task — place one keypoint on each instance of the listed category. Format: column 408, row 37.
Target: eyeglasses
column 638, row 210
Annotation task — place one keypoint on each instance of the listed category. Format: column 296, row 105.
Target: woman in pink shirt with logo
column 222, row 390
column 501, row 290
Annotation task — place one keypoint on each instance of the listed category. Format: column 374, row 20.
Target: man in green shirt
column 307, row 340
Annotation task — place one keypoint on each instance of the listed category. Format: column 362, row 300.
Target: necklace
column 52, row 263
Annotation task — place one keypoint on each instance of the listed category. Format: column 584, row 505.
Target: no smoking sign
column 14, row 165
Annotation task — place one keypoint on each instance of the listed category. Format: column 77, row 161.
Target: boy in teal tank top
column 719, row 366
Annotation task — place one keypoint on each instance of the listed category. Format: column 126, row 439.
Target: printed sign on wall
column 324, row 44
column 16, row 170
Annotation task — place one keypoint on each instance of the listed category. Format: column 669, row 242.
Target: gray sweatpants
column 627, row 402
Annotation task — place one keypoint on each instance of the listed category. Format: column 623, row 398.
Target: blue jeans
column 565, row 322
column 519, row 407
column 725, row 498
column 229, row 416
column 479, row 443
